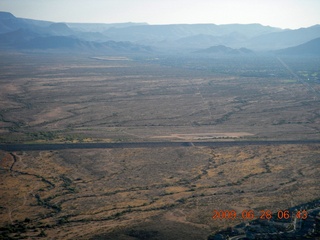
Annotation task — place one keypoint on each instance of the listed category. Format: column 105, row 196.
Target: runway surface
column 61, row 146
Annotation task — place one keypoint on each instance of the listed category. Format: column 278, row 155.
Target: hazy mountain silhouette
column 59, row 29
column 284, row 39
column 34, row 34
column 222, row 50
column 309, row 48
column 6, row 15
column 178, row 31
column 189, row 37
column 206, row 41
column 36, row 42
column 16, row 38
column 9, row 23
column 16, row 33
column 100, row 27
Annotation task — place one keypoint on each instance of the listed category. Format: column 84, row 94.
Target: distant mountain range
column 223, row 50
column 28, row 34
column 309, row 48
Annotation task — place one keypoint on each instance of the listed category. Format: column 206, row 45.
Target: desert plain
column 153, row 192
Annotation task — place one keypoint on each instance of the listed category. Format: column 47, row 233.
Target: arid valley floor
column 159, row 192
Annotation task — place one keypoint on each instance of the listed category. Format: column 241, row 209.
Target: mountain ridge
column 25, row 34
column 309, row 48
column 173, row 38
column 286, row 38
column 224, row 50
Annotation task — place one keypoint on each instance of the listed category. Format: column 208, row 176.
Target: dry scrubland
column 70, row 99
column 148, row 193
column 163, row 193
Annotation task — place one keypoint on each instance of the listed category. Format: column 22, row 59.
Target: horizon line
column 162, row 24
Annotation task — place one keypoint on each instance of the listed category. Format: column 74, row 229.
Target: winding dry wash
column 170, row 192
column 159, row 120
column 102, row 148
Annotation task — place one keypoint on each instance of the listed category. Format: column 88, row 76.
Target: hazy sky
column 278, row 13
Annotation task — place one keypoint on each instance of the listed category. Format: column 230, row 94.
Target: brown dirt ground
column 163, row 193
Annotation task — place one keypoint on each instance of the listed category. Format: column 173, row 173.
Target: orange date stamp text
column 262, row 214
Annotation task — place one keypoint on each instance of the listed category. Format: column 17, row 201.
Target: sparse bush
column 142, row 234
column 42, row 234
